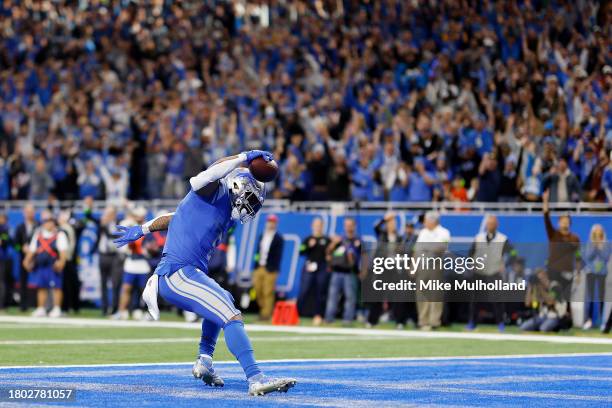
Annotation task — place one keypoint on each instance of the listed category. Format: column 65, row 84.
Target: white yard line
column 329, row 360
column 552, row 338
column 277, row 339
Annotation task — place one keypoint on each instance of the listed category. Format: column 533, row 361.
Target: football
column 263, row 170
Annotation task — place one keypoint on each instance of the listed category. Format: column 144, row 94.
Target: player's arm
column 125, row 235
column 207, row 181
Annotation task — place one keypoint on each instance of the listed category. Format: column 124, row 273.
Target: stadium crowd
column 382, row 100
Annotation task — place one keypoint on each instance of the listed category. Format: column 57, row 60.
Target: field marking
column 317, row 360
column 440, row 386
column 228, row 395
column 234, row 371
column 450, row 386
column 552, row 338
column 155, row 340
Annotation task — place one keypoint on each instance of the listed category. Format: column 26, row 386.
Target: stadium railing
column 340, row 207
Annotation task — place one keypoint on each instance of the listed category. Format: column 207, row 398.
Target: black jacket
column 22, row 238
column 275, row 254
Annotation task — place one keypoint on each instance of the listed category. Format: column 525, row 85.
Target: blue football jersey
column 195, row 230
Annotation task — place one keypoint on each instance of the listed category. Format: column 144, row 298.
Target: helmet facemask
column 247, row 195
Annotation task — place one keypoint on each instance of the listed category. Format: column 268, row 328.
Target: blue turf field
column 575, row 381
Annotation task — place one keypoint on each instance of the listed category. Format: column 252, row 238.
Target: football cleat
column 206, row 373
column 264, row 385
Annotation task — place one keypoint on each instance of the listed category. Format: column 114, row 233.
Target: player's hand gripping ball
column 262, row 165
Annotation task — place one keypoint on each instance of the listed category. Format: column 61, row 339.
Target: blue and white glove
column 253, row 154
column 125, row 235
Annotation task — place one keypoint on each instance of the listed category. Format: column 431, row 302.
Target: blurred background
column 460, row 108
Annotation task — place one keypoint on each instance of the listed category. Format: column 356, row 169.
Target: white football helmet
column 247, row 194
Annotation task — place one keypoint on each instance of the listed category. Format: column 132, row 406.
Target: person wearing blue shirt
column 597, row 254
column 362, row 179
column 420, row 182
column 606, row 180
column 175, row 166
column 219, row 197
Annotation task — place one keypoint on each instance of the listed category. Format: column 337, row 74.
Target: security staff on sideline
column 432, row 241
column 493, row 246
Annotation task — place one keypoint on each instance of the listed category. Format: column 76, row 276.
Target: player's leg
column 203, row 366
column 191, row 289
column 208, row 339
column 216, row 306
column 240, row 346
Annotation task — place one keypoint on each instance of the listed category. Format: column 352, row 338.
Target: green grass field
column 28, row 343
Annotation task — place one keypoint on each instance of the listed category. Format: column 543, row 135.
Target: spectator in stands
column 432, row 241
column 23, row 237
column 90, row 183
column 544, row 298
column 420, row 182
column 563, row 249
column 293, row 180
column 489, row 178
column 174, row 184
column 562, row 183
column 362, row 179
column 606, row 180
column 41, row 182
column 315, row 276
column 117, row 92
column 45, row 260
column 267, row 266
column 318, row 163
column 5, row 182
column 508, row 190
column 5, row 260
column 343, row 254
column 458, row 192
column 338, row 178
column 597, row 254
column 115, row 184
column 110, row 261
column 492, row 246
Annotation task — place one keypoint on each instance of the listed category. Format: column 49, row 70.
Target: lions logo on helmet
column 247, row 194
